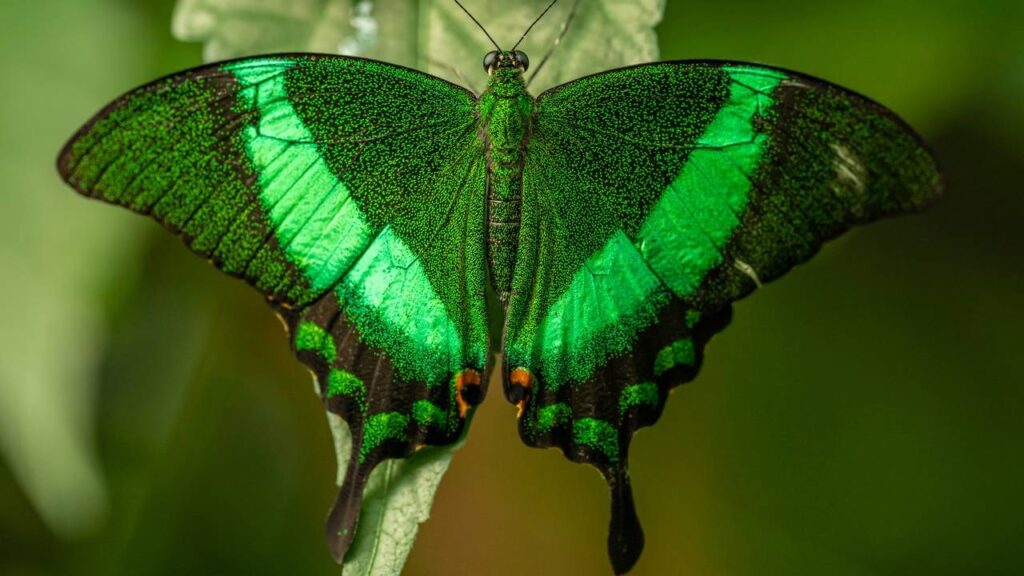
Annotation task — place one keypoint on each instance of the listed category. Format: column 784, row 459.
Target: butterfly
column 406, row 229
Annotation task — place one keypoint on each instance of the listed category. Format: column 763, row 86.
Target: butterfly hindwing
column 653, row 197
column 351, row 193
column 592, row 421
column 389, row 415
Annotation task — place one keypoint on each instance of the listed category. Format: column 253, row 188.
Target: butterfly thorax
column 505, row 111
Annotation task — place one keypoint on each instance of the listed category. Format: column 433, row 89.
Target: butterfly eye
column 521, row 59
column 490, row 60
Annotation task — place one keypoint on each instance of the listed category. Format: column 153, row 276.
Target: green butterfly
column 406, row 229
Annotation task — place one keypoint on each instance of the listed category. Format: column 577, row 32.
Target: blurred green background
column 863, row 415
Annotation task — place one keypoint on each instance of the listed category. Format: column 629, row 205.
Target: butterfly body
column 505, row 110
column 616, row 218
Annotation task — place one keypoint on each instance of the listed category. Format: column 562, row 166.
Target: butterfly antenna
column 534, row 23
column 558, row 40
column 473, row 18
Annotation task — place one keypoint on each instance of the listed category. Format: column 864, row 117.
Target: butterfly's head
column 514, row 61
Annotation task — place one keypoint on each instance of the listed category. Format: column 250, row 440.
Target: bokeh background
column 863, row 415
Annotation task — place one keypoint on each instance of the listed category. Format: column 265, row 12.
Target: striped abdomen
column 506, row 131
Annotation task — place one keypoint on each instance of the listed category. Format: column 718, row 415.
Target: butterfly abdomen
column 505, row 115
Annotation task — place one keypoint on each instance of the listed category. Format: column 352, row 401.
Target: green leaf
column 604, row 34
column 435, row 36
column 234, row 28
column 432, row 35
column 398, row 495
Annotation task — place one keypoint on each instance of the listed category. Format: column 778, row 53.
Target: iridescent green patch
column 312, row 337
column 686, row 233
column 598, row 435
column 692, row 317
column 609, row 300
column 552, row 416
column 680, row 352
column 426, row 413
column 344, row 383
column 645, row 393
column 380, row 428
column 309, row 208
column 389, row 295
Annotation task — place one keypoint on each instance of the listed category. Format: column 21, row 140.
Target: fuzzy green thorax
column 506, row 81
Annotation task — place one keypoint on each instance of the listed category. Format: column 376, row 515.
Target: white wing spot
column 748, row 270
column 849, row 170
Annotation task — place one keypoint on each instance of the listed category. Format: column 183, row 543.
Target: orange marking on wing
column 521, row 377
column 465, row 378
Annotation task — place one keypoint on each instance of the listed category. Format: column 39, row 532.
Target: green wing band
column 610, row 299
column 311, row 211
column 389, row 291
column 833, row 160
column 385, row 289
column 687, row 231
